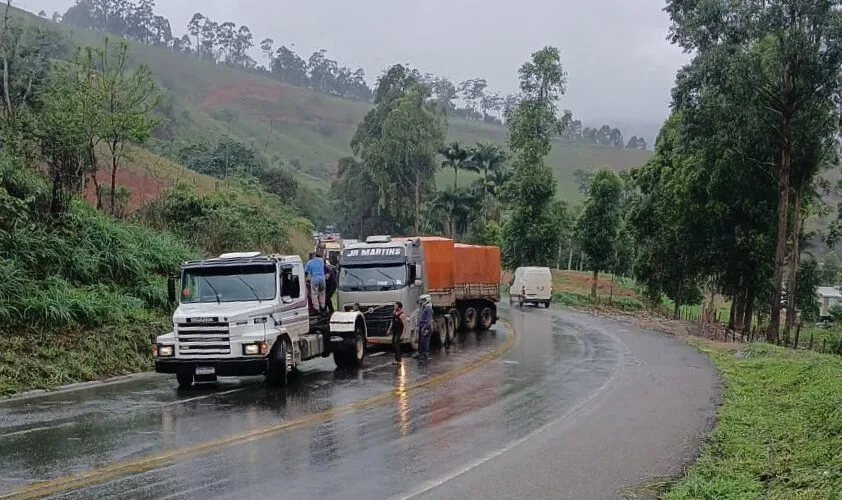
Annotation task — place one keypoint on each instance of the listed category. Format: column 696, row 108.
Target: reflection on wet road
column 380, row 432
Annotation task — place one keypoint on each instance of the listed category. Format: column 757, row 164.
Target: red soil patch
column 142, row 188
column 220, row 96
column 264, row 99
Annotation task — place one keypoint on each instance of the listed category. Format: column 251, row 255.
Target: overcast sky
column 620, row 67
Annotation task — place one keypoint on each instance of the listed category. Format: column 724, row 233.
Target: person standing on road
column 315, row 269
column 396, row 329
column 425, row 326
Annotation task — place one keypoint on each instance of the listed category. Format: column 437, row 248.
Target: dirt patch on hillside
column 221, row 96
column 142, row 188
column 264, row 99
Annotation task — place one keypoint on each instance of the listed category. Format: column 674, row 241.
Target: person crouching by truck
column 396, row 328
column 425, row 326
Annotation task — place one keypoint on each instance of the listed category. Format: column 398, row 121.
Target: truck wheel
column 440, row 327
column 276, row 372
column 451, row 330
column 454, row 314
column 470, row 318
column 352, row 356
column 185, row 379
column 486, row 318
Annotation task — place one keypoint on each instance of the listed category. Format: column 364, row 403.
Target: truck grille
column 377, row 321
column 203, row 339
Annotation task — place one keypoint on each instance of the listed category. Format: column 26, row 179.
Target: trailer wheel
column 457, row 321
column 486, row 318
column 470, row 318
column 276, row 372
column 185, row 379
column 451, row 330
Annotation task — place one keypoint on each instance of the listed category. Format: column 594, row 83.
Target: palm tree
column 455, row 157
column 457, row 208
column 489, row 158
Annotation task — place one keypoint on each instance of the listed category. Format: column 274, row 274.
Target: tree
column 598, row 226
column 829, row 273
column 530, row 234
column 667, row 221
column 444, row 92
column 488, row 158
column 266, row 46
column 26, row 55
column 805, row 290
column 62, row 139
column 128, row 100
column 784, row 62
column 289, row 67
column 456, row 208
column 194, row 27
column 412, row 134
column 457, row 158
column 394, row 142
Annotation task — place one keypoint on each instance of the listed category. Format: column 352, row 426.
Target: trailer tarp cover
column 476, row 264
column 438, row 260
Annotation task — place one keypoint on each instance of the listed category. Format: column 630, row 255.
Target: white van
column 531, row 285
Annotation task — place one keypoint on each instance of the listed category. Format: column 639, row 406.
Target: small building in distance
column 829, row 296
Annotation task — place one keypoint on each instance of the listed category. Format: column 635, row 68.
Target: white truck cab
column 247, row 314
column 531, row 285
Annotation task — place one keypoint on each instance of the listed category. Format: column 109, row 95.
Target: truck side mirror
column 417, row 274
column 171, row 289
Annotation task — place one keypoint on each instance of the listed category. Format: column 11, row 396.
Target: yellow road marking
column 136, row 466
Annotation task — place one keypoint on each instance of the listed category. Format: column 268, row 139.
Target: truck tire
column 486, row 318
column 470, row 318
column 353, row 356
column 451, row 330
column 457, row 321
column 276, row 371
column 185, row 379
column 440, row 328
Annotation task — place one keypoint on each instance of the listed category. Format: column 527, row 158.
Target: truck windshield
column 357, row 279
column 229, row 284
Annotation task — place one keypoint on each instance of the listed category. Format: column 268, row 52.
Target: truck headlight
column 251, row 349
column 165, row 351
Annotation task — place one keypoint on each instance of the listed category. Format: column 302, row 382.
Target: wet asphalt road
column 578, row 407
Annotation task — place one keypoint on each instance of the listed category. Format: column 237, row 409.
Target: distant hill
column 308, row 130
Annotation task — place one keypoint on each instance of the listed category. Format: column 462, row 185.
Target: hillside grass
column 779, row 430
column 82, row 292
column 301, row 125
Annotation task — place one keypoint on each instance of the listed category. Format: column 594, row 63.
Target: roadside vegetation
column 84, row 269
column 778, row 431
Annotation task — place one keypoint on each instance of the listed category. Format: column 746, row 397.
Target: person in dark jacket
column 425, row 326
column 331, row 279
column 396, row 328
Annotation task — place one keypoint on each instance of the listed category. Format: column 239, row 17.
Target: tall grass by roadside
column 779, row 432
column 81, row 292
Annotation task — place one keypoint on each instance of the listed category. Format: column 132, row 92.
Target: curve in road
column 577, row 407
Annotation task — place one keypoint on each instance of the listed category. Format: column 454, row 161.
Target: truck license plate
column 205, row 370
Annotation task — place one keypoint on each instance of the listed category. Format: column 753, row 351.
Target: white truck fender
column 345, row 322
